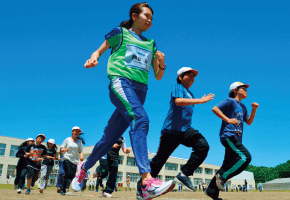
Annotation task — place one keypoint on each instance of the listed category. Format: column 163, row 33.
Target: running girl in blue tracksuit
column 128, row 70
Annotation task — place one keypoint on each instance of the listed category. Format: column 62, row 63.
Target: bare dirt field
column 89, row 195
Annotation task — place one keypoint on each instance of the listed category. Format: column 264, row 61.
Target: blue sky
column 45, row 88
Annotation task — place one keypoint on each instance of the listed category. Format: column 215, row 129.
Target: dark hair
column 232, row 94
column 136, row 8
column 182, row 75
column 53, row 147
column 81, row 138
column 23, row 144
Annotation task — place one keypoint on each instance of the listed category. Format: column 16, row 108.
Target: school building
column 127, row 166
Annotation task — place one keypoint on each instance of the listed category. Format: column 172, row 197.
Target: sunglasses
column 242, row 87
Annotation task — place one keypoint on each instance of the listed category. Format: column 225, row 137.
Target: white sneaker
column 108, row 195
column 155, row 187
column 19, row 191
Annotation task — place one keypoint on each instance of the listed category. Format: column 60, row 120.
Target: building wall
column 203, row 174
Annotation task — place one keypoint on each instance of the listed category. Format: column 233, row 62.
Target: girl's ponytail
column 126, row 24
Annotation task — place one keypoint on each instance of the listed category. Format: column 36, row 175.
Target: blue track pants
column 128, row 96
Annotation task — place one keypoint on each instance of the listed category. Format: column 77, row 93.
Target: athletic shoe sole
column 178, row 181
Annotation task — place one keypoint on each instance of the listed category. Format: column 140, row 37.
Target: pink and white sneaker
column 108, row 195
column 155, row 187
column 77, row 182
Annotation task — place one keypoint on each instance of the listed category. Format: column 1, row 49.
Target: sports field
column 89, row 195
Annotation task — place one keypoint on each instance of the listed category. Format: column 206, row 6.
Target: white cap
column 186, row 69
column 237, row 84
column 52, row 141
column 30, row 139
column 76, row 128
column 41, row 135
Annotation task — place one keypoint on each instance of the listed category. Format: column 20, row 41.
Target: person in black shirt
column 36, row 153
column 112, row 158
column 21, row 168
column 47, row 163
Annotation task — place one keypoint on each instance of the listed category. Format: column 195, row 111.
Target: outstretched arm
column 93, row 61
column 253, row 113
column 187, row 101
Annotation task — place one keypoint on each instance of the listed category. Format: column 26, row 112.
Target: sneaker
column 62, row 193
column 185, row 181
column 108, row 195
column 58, row 190
column 41, row 191
column 155, row 187
column 139, row 194
column 219, row 182
column 19, row 191
column 77, row 182
column 27, row 191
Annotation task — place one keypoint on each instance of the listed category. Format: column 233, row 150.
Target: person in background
column 260, row 186
column 72, row 149
column 128, row 183
column 21, row 167
column 61, row 173
column 36, row 153
column 48, row 163
column 246, row 186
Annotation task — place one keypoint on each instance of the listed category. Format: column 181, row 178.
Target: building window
column 171, row 166
column 11, row 170
column 181, row 166
column 131, row 161
column 2, row 149
column 120, row 160
column 215, row 171
column 168, row 178
column 159, row 177
column 207, row 181
column 198, row 170
column 1, row 167
column 208, row 171
column 134, row 177
column 197, row 181
column 13, row 150
column 120, row 174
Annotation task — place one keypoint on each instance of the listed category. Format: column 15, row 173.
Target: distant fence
column 276, row 186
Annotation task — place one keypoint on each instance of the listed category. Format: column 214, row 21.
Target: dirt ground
column 89, row 195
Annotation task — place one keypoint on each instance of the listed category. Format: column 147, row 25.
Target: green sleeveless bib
column 133, row 59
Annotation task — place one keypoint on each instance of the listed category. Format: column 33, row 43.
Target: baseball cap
column 30, row 139
column 76, row 128
column 237, row 84
column 41, row 136
column 186, row 69
column 52, row 141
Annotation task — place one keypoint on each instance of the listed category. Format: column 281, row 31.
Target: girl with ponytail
column 128, row 67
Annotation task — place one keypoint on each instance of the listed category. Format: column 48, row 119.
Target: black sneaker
column 139, row 194
column 62, row 193
column 185, row 181
column 214, row 197
column 219, row 182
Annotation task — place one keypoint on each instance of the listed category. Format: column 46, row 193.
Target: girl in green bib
column 128, row 67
